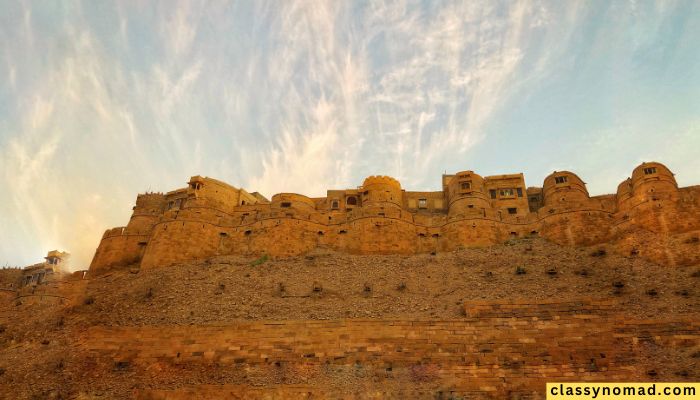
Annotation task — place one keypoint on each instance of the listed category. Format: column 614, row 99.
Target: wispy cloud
column 103, row 101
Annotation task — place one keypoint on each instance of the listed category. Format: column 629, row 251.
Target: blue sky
column 100, row 101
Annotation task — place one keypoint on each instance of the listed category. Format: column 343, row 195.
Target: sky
column 102, row 100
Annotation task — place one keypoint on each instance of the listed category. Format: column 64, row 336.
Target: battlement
column 381, row 180
column 111, row 232
column 209, row 218
column 150, row 195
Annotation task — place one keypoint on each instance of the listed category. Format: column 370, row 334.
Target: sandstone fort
column 487, row 289
column 649, row 214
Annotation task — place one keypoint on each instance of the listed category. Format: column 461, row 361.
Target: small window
column 286, row 204
column 506, row 192
column 649, row 171
column 471, row 206
column 559, row 179
column 493, row 193
column 512, row 210
column 352, row 201
column 335, row 204
column 520, row 192
column 466, row 185
column 422, row 203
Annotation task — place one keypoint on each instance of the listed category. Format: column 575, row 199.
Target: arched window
column 352, row 201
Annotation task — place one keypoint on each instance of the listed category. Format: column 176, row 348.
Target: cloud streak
column 103, row 101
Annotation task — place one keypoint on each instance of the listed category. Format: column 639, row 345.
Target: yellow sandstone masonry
column 649, row 215
column 498, row 349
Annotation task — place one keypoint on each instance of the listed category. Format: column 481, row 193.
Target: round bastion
column 466, row 194
column 380, row 191
column 564, row 186
column 292, row 200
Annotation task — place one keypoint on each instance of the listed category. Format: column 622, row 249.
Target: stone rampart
column 496, row 350
column 648, row 216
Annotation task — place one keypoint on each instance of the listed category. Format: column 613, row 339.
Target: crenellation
column 209, row 218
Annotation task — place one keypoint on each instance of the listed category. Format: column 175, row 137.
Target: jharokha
column 648, row 215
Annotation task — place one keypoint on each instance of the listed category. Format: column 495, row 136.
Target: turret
column 624, row 194
column 651, row 181
column 148, row 209
column 381, row 191
column 466, row 194
column 562, row 187
column 292, row 201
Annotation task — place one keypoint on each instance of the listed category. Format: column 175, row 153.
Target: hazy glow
column 101, row 101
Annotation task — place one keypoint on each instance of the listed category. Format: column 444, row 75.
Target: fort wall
column 647, row 216
column 118, row 249
column 498, row 350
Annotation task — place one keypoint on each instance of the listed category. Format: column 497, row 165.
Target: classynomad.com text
column 623, row 391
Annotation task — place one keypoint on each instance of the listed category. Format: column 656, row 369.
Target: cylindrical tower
column 282, row 201
column 466, row 194
column 564, row 187
column 624, row 194
column 381, row 191
column 652, row 180
column 148, row 209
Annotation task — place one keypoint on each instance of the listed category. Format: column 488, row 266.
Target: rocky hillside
column 331, row 286
column 47, row 343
